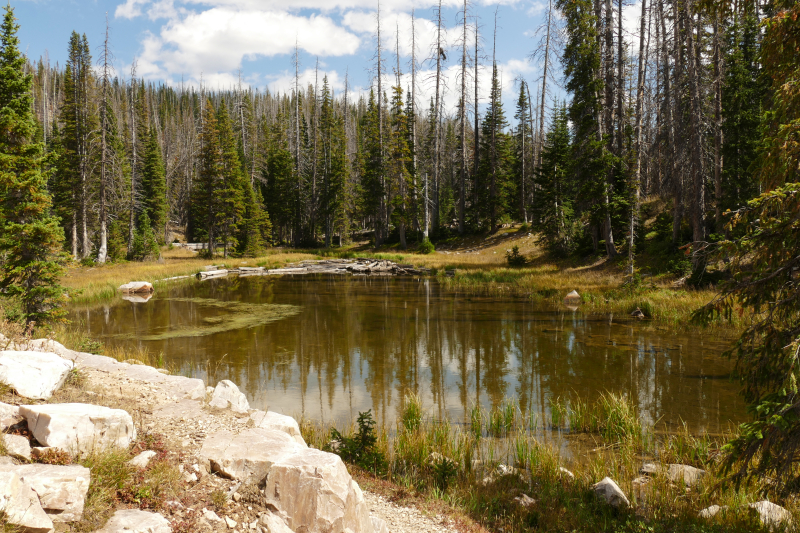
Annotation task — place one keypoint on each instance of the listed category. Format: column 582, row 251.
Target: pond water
column 328, row 347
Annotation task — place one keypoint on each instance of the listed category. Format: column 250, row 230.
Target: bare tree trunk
column 414, row 115
column 698, row 187
column 132, row 220
column 102, row 253
column 638, row 175
column 297, row 163
column 675, row 110
column 718, row 162
column 463, row 121
column 544, row 78
column 382, row 222
column 437, row 115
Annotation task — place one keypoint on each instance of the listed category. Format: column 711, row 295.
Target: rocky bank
column 242, row 469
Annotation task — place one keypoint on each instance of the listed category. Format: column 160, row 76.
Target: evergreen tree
column 30, row 237
column 523, row 142
column 743, row 93
column 398, row 163
column 372, row 186
column 591, row 160
column 555, row 194
column 154, row 186
column 494, row 170
column 145, row 244
column 205, row 200
column 230, row 191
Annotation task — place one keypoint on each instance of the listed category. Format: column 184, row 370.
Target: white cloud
column 217, row 40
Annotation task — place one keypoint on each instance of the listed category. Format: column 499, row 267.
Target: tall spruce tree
column 230, row 189
column 154, row 186
column 30, row 237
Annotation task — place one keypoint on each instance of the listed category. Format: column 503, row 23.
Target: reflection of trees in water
column 361, row 343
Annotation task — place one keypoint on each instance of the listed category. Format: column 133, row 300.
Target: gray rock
column 688, row 475
column 273, row 523
column 61, row 489
column 772, row 515
column 79, row 428
column 211, row 516
column 230, row 522
column 310, row 488
column 563, row 471
column 379, row 525
column 572, row 298
column 136, row 286
column 249, row 455
column 611, row 493
column 227, row 396
column 524, row 500
column 35, row 375
column 143, row 459
column 641, row 487
column 18, row 446
column 270, row 420
column 711, row 511
column 651, row 469
column 21, row 505
column 9, row 415
column 136, row 521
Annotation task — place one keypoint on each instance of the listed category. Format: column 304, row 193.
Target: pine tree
column 30, row 237
column 494, row 170
column 154, row 185
column 523, row 143
column 205, row 201
column 372, row 187
column 743, row 92
column 230, row 191
column 591, row 160
column 398, row 163
column 554, row 211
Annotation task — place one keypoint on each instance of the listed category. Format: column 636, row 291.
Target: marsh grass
column 478, row 468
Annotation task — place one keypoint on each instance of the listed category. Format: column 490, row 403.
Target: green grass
column 460, row 465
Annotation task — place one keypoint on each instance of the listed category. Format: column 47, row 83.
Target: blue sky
column 181, row 40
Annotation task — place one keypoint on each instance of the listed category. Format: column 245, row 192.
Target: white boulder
column 227, row 396
column 273, row 523
column 17, row 446
column 35, row 375
column 79, row 428
column 143, row 459
column 61, row 489
column 772, row 515
column 611, row 493
column 711, row 511
column 21, row 505
column 9, row 415
column 136, row 286
column 310, row 488
column 287, row 424
column 136, row 521
column 688, row 475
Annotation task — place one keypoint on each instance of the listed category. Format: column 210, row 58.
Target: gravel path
column 405, row 519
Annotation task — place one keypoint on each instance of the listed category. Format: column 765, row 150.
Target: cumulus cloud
column 217, row 40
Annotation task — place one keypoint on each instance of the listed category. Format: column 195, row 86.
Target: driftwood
column 358, row 267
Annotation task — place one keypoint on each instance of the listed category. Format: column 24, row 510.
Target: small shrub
column 219, row 498
column 444, row 472
column 426, row 247
column 515, row 258
column 53, row 456
column 680, row 267
column 524, row 228
column 360, row 449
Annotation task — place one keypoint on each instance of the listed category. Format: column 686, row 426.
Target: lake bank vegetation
column 506, row 470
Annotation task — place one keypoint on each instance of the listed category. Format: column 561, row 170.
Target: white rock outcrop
column 9, row 415
column 17, row 446
column 79, row 428
column 711, row 511
column 227, row 396
column 273, row 523
column 35, row 375
column 21, row 505
column 287, row 424
column 310, row 488
column 61, row 489
column 772, row 515
column 611, row 493
column 136, row 521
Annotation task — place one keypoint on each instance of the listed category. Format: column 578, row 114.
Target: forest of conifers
column 672, row 112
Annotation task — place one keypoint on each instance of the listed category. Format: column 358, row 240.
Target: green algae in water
column 234, row 316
